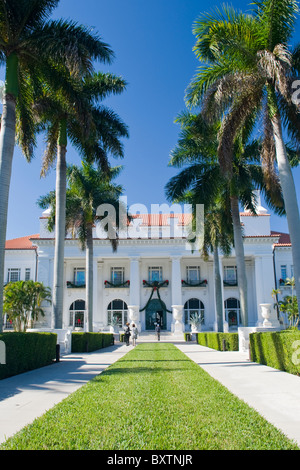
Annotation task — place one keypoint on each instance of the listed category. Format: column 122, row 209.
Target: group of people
column 127, row 334
column 134, row 330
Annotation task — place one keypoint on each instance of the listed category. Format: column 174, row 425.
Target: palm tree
column 23, row 302
column 89, row 188
column 31, row 47
column 218, row 237
column 246, row 78
column 61, row 116
column 202, row 176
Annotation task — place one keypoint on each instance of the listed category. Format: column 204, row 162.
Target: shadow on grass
column 141, row 370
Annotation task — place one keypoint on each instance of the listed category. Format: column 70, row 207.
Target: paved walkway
column 27, row 396
column 274, row 394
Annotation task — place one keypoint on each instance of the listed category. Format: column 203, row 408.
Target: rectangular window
column 79, row 277
column 14, row 275
column 27, row 274
column 230, row 274
column 117, row 275
column 193, row 274
column 292, row 271
column 155, row 273
column 283, row 272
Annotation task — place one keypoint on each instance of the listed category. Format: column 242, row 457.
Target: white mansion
column 150, row 279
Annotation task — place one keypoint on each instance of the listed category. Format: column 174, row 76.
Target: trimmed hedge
column 280, row 350
column 27, row 351
column 215, row 340
column 88, row 342
column 187, row 336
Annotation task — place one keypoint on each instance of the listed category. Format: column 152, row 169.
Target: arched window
column 232, row 312
column 77, row 314
column 117, row 313
column 193, row 309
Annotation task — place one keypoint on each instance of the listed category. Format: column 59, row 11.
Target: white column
column 176, row 292
column 45, row 275
column 134, row 292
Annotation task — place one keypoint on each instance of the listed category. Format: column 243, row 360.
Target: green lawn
column 154, row 398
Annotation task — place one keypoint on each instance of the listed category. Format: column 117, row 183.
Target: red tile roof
column 284, row 239
column 22, row 243
column 250, row 214
column 162, row 219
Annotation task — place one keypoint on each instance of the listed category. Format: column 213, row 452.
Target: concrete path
column 27, row 396
column 274, row 394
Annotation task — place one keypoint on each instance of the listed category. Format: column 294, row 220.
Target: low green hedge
column 27, row 351
column 217, row 341
column 187, row 336
column 87, row 342
column 280, row 350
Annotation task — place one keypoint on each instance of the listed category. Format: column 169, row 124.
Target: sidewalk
column 274, row 394
column 27, row 396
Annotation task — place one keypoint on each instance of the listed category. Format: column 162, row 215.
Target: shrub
column 277, row 349
column 187, row 336
column 27, row 351
column 22, row 302
column 219, row 340
column 87, row 342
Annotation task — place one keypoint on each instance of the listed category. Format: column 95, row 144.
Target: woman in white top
column 134, row 334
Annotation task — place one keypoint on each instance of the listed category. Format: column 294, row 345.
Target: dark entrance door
column 156, row 313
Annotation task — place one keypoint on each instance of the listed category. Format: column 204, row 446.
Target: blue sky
column 152, row 42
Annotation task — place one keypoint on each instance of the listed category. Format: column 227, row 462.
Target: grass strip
column 154, row 398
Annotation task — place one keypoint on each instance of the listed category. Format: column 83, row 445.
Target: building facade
column 154, row 276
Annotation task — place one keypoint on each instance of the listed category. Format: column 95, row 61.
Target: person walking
column 157, row 329
column 127, row 334
column 134, row 334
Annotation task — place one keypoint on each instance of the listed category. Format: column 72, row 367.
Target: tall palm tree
column 246, row 76
column 89, row 188
column 31, row 46
column 202, row 175
column 217, row 238
column 75, row 115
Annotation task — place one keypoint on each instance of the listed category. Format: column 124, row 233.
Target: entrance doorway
column 156, row 313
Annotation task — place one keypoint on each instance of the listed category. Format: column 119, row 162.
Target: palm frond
column 277, row 21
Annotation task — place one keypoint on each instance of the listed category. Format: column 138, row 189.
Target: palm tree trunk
column 89, row 276
column 240, row 258
column 218, row 290
column 60, row 229
column 7, row 144
column 289, row 196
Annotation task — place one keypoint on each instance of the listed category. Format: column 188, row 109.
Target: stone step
column 165, row 336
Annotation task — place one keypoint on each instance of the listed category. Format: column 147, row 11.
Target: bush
column 87, row 342
column 27, row 351
column 280, row 350
column 187, row 336
column 122, row 337
column 219, row 340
